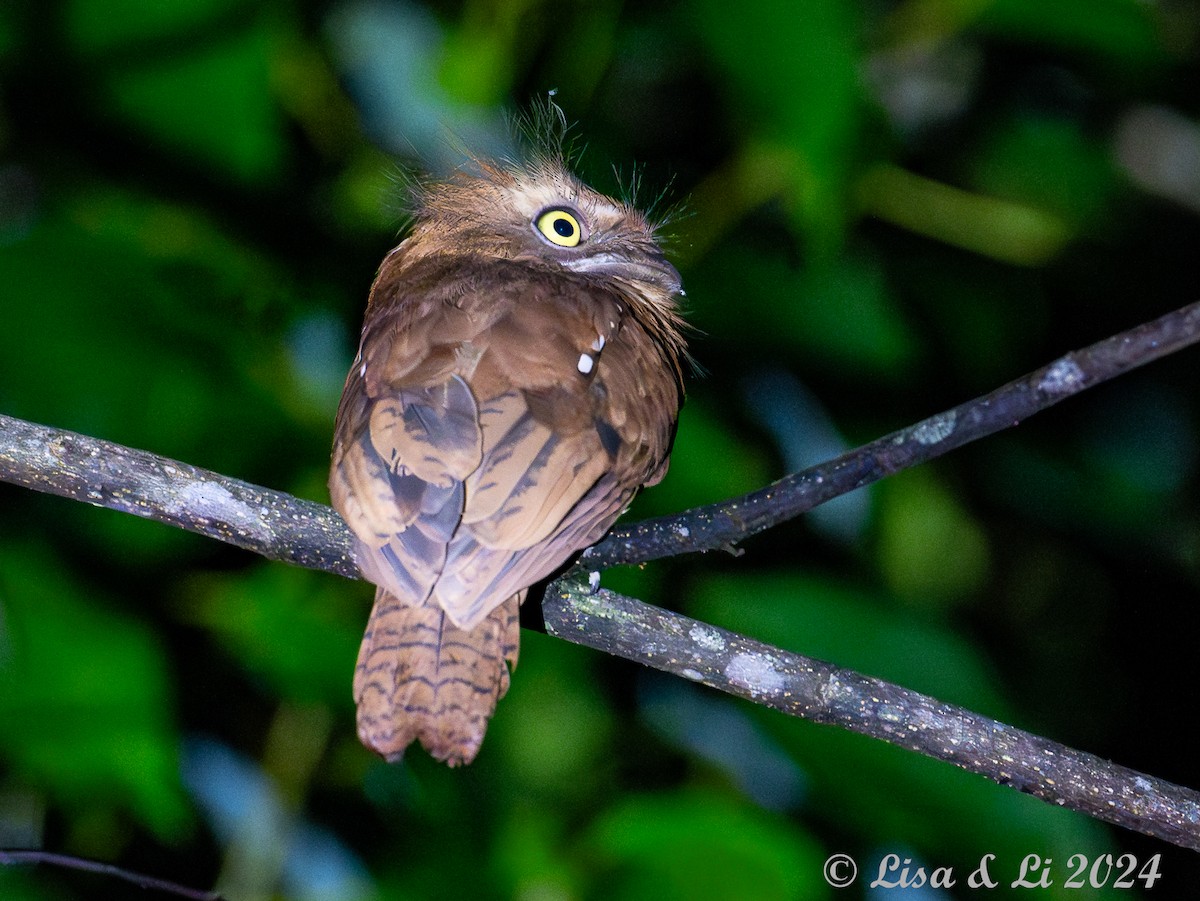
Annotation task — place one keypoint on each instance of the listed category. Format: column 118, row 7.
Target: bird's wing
column 489, row 454
column 407, row 438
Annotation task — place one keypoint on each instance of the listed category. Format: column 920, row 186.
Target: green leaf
column 795, row 67
column 213, row 104
column 553, row 732
column 931, row 551
column 84, row 698
column 96, row 26
column 695, row 846
column 1018, row 233
column 194, row 75
column 161, row 333
column 528, row 854
column 295, row 629
column 1121, row 32
column 837, row 312
column 16, row 885
column 1051, row 165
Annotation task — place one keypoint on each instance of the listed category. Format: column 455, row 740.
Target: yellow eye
column 559, row 227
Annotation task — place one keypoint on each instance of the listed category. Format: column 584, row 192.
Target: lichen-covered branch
column 271, row 523
column 722, row 525
column 823, row 693
column 281, row 527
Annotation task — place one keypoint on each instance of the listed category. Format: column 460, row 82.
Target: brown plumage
column 517, row 381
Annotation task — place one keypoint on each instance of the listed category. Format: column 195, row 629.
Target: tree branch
column 9, row 857
column 271, row 523
column 281, row 527
column 720, row 526
column 818, row 691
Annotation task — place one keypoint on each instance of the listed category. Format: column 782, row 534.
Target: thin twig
column 721, row 526
column 10, row 857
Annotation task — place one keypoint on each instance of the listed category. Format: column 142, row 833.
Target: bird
column 518, row 379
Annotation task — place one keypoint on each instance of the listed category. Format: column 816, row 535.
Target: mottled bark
column 818, row 691
column 721, row 526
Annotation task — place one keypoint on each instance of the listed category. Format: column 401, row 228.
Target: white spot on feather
column 598, row 344
column 586, row 363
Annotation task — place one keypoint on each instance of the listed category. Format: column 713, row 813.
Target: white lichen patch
column 209, row 500
column 756, row 673
column 692, row 674
column 1063, row 377
column 935, row 428
column 709, row 639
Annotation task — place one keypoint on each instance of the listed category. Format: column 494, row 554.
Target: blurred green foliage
column 886, row 208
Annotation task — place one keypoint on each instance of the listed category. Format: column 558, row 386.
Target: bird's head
column 539, row 214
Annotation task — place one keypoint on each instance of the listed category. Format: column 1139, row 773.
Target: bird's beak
column 651, row 268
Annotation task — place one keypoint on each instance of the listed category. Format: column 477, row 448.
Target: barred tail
column 420, row 677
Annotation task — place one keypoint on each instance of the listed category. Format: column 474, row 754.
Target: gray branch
column 281, row 527
column 818, row 691
column 722, row 525
column 271, row 523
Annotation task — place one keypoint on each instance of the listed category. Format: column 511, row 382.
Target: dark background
column 886, row 209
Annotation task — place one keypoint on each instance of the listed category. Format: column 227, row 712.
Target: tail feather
column 421, row 677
